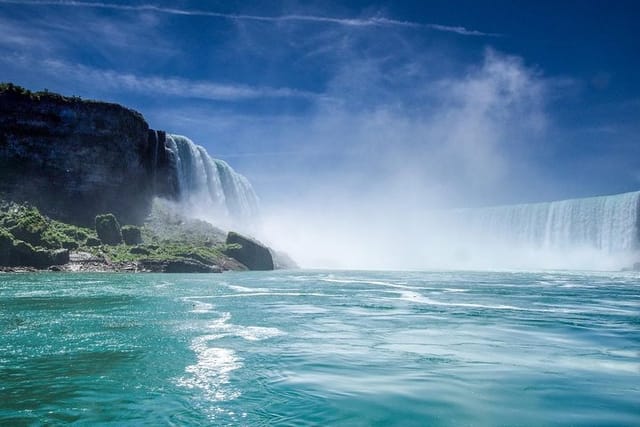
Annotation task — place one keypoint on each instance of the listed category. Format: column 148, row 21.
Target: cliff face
column 75, row 159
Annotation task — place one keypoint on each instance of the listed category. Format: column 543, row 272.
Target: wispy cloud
column 156, row 85
column 62, row 36
column 351, row 22
column 460, row 30
column 175, row 86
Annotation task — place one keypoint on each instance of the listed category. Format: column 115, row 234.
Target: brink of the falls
column 607, row 223
column 589, row 233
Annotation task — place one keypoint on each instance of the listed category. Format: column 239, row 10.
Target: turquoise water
column 320, row 348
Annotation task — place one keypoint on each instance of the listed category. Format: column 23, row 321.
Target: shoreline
column 80, row 263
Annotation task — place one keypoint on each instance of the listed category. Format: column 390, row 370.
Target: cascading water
column 210, row 187
column 606, row 223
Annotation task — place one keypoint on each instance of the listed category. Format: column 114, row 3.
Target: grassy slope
column 166, row 236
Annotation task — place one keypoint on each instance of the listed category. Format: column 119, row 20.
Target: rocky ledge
column 166, row 243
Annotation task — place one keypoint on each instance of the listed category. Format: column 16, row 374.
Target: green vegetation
column 165, row 252
column 36, row 96
column 61, row 235
column 26, row 223
column 165, row 224
column 92, row 241
column 28, row 238
column 131, row 234
column 108, row 229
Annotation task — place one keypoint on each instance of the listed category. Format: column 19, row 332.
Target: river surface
column 321, row 348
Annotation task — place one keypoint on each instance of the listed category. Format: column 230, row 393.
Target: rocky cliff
column 249, row 252
column 75, row 158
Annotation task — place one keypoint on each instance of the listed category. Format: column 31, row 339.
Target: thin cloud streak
column 175, row 86
column 460, row 30
column 350, row 22
column 165, row 86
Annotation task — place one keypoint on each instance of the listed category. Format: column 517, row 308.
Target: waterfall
column 210, row 187
column 610, row 224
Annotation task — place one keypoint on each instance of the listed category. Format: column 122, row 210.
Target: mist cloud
column 398, row 160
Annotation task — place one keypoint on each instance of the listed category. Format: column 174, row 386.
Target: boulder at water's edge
column 249, row 252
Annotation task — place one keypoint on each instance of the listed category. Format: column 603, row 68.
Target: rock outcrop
column 131, row 235
column 108, row 229
column 74, row 159
column 249, row 252
column 15, row 252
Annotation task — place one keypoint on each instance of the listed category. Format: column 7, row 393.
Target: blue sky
column 466, row 102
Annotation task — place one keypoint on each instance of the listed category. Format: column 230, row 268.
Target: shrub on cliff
column 29, row 225
column 53, row 238
column 131, row 234
column 26, row 223
column 8, row 87
column 92, row 241
column 108, row 229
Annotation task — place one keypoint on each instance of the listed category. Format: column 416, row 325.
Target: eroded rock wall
column 74, row 158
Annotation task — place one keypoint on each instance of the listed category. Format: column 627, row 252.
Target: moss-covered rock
column 92, row 242
column 108, row 229
column 29, row 226
column 26, row 223
column 131, row 234
column 25, row 255
column 6, row 246
column 60, row 235
column 52, row 239
column 192, row 246
column 249, row 252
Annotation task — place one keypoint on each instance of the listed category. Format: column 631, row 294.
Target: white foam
column 211, row 372
column 243, row 289
column 269, row 294
column 202, row 307
column 418, row 298
column 249, row 333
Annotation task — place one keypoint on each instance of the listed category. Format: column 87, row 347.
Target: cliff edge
column 76, row 158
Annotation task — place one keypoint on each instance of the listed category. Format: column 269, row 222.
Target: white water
column 599, row 233
column 606, row 223
column 595, row 233
column 209, row 188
